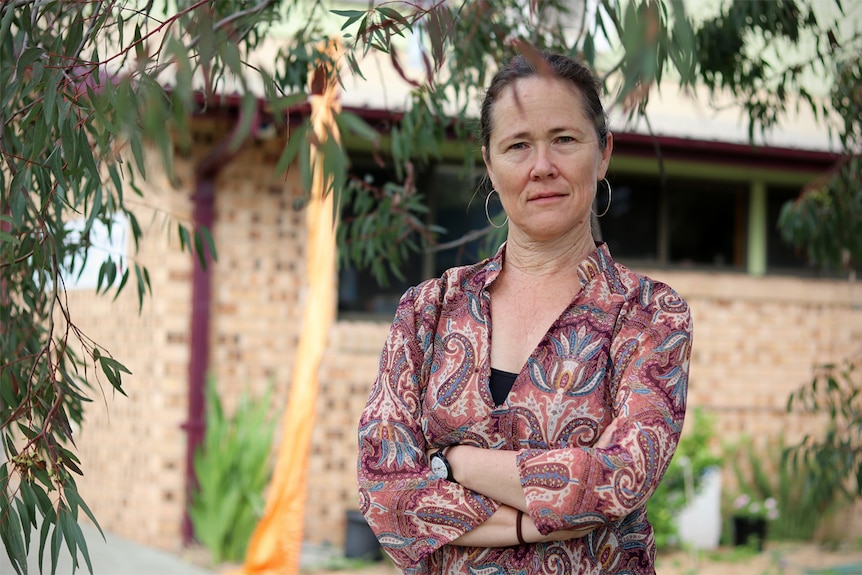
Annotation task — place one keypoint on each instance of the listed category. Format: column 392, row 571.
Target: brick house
column 706, row 227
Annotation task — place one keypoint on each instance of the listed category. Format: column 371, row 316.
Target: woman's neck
column 541, row 258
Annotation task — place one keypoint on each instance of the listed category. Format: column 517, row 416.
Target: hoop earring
column 610, row 195
column 488, row 215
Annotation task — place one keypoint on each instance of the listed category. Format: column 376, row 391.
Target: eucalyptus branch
column 167, row 23
column 86, row 38
column 465, row 239
column 260, row 7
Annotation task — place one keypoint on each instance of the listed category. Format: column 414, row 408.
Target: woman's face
column 544, row 159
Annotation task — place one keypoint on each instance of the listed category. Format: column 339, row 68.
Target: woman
column 527, row 406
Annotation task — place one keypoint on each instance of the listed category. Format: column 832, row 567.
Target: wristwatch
column 440, row 468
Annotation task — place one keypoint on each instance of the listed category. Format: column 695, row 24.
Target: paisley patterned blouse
column 620, row 350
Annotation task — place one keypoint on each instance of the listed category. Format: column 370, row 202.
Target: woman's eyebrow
column 561, row 129
column 553, row 132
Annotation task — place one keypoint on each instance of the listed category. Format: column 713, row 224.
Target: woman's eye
column 518, row 146
column 565, row 139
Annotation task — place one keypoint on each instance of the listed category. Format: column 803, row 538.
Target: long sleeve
column 412, row 514
column 647, row 378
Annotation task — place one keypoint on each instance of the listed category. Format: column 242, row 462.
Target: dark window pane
column 707, row 223
column 455, row 204
column 780, row 255
column 358, row 290
column 630, row 226
column 459, row 208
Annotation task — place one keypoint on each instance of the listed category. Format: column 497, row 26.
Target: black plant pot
column 360, row 541
column 749, row 531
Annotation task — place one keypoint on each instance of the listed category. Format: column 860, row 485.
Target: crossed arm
column 494, row 473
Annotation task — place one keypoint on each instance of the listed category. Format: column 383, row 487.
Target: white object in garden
column 699, row 522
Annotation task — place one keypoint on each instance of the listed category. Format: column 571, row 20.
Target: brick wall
column 755, row 341
column 133, row 448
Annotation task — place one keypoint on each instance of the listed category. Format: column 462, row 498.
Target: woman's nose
column 543, row 165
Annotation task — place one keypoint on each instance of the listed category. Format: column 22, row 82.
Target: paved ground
column 118, row 556
column 115, row 555
column 111, row 556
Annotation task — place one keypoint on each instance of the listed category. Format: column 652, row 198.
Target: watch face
column 438, row 468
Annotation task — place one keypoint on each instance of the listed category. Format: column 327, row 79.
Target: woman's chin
column 549, row 230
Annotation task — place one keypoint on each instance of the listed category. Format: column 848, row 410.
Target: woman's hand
column 500, row 530
column 606, row 436
column 564, row 535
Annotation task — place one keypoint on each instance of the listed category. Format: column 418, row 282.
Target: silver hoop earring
column 488, row 214
column 610, row 194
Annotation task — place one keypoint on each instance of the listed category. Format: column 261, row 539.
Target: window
column 457, row 204
column 707, row 223
column 106, row 242
column 683, row 222
column 782, row 257
column 630, row 226
column 693, row 223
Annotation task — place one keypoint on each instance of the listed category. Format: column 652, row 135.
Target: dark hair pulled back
column 565, row 68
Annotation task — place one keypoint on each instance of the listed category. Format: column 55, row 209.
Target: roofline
column 630, row 144
column 718, row 152
column 633, row 144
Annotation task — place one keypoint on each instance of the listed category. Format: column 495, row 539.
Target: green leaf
column 351, row 15
column 281, row 103
column 143, row 284
column 72, row 534
column 74, row 37
column 589, row 49
column 10, row 533
column 112, row 369
column 229, row 51
column 138, row 153
column 350, row 122
column 49, row 105
column 56, row 543
column 248, row 113
column 6, row 24
column 48, row 521
column 295, row 141
column 122, row 284
column 76, row 502
column 28, row 57
column 203, row 233
column 7, row 237
column 393, row 14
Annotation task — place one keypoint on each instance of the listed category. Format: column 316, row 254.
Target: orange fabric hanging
column 275, row 546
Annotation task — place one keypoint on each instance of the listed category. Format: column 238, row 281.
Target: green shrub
column 761, row 472
column 233, row 468
column 694, row 450
column 831, row 459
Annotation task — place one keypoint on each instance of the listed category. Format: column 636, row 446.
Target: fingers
column 606, row 437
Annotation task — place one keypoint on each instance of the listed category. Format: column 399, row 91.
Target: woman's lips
column 546, row 197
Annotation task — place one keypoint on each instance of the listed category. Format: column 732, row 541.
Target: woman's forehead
column 535, row 98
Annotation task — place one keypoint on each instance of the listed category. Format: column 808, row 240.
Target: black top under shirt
column 501, row 383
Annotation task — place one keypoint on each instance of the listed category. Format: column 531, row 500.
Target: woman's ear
column 487, row 160
column 606, row 156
